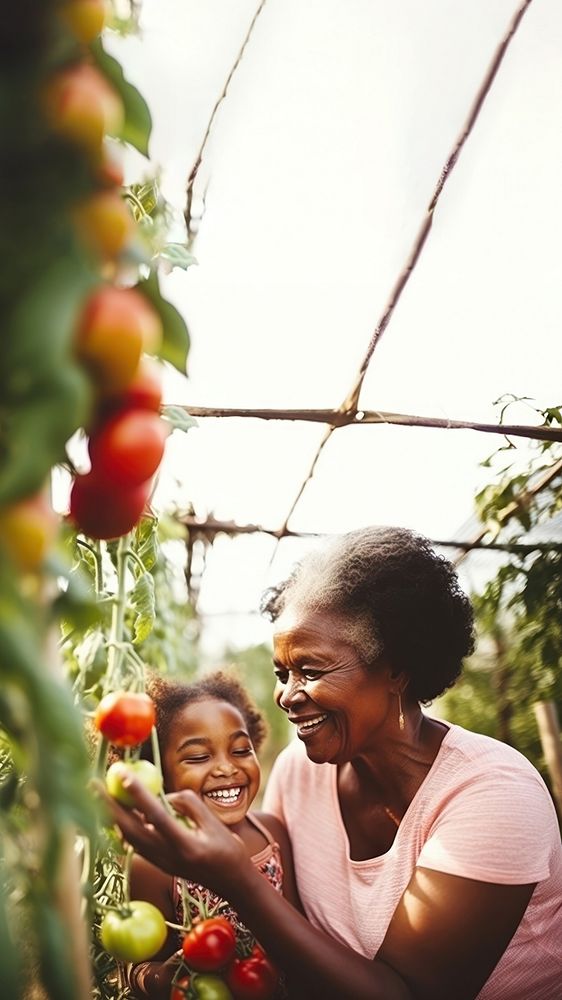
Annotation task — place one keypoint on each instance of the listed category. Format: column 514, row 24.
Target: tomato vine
column 69, row 233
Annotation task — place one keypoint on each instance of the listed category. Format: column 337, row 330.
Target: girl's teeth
column 225, row 793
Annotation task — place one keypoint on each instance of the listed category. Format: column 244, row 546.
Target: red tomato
column 128, row 448
column 100, row 510
column 125, row 718
column 82, row 107
column 116, row 326
column 252, row 978
column 180, row 988
column 144, row 392
column 209, row 945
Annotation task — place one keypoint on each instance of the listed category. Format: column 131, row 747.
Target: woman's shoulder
column 479, row 775
column 482, row 752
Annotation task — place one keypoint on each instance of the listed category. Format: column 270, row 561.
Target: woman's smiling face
column 208, row 750
column 336, row 703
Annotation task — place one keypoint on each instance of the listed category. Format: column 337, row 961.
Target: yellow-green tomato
column 145, row 772
column 136, row 935
column 209, row 987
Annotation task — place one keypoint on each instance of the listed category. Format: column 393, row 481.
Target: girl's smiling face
column 209, row 751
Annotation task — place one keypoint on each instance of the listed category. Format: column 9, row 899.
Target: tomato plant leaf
column 47, row 415
column 138, row 122
column 145, row 541
column 142, row 601
column 175, row 346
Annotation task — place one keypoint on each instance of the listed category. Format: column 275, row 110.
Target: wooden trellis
column 349, row 413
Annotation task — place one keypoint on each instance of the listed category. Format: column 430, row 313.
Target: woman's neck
column 393, row 771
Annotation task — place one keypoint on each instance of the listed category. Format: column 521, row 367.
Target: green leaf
column 175, row 346
column 142, row 600
column 177, row 255
column 179, row 418
column 11, row 983
column 35, row 429
column 138, row 121
column 55, row 958
column 145, row 543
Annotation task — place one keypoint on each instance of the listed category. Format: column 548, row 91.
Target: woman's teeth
column 312, row 723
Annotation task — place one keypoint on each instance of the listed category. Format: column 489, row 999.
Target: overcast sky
column 320, row 166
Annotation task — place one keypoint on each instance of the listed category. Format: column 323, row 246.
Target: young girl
column 208, row 732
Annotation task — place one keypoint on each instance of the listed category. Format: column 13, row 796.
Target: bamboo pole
column 549, row 731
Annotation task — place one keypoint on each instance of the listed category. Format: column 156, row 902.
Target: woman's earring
column 401, row 722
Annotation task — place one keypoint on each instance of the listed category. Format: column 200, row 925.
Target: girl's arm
column 153, row 979
column 279, row 833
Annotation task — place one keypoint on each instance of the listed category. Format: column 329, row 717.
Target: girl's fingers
column 188, row 804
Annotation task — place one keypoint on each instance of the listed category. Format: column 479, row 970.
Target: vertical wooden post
column 549, row 731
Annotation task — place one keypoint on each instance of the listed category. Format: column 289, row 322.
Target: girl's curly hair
column 396, row 596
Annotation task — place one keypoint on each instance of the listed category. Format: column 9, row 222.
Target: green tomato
column 209, row 987
column 148, row 775
column 136, row 935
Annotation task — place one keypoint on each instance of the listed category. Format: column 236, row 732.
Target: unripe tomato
column 81, row 106
column 135, row 936
column 117, row 325
column 211, row 988
column 125, row 718
column 128, row 448
column 180, row 989
column 209, row 945
column 148, row 775
column 105, row 223
column 101, row 511
column 252, row 978
column 85, row 18
column 27, row 531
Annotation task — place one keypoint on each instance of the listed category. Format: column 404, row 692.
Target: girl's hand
column 205, row 852
column 165, row 976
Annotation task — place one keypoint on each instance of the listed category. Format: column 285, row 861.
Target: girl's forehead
column 210, row 714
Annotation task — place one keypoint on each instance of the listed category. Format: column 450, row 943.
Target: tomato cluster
column 216, row 971
column 117, row 326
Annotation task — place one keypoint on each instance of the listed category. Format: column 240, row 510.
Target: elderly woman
column 428, row 858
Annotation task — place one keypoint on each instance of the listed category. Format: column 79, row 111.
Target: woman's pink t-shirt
column 482, row 812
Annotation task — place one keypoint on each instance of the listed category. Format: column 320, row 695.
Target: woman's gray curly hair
column 397, row 597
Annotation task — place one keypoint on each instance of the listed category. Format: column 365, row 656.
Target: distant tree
column 519, row 612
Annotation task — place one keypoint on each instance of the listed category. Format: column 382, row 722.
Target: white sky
column 322, row 160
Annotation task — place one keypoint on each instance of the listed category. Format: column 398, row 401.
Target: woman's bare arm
column 448, row 933
column 446, row 936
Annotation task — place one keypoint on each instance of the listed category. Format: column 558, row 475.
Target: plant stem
column 115, row 651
